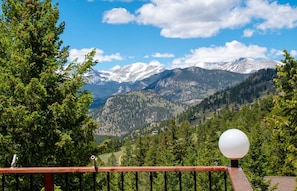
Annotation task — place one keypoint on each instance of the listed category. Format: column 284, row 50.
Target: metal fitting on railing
column 14, row 161
column 94, row 160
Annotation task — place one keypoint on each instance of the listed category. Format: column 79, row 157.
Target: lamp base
column 234, row 163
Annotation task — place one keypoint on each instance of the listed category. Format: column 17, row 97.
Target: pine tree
column 285, row 116
column 43, row 111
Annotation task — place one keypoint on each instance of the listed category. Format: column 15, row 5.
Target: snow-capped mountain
column 140, row 71
column 241, row 65
column 128, row 73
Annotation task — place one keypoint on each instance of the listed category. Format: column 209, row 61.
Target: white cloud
column 232, row 50
column 274, row 53
column 271, row 15
column 99, row 56
column 155, row 63
column 117, row 16
column 248, row 33
column 185, row 19
column 201, row 18
column 293, row 53
column 162, row 55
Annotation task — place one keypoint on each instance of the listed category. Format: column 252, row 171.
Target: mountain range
column 140, row 111
column 139, row 76
column 140, row 71
column 160, row 96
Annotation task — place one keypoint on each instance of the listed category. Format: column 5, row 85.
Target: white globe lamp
column 234, row 144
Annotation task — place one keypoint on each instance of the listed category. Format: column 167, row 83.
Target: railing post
column 66, row 182
column 122, row 180
column 31, row 182
column 165, row 181
column 48, row 179
column 180, row 181
column 151, row 181
column 80, row 182
column 108, row 181
column 3, row 182
column 94, row 181
column 17, row 182
column 195, row 181
column 209, row 179
column 136, row 181
column 225, row 180
column 239, row 180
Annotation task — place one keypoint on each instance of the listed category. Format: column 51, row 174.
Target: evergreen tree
column 285, row 116
column 43, row 111
column 112, row 160
column 127, row 157
column 141, row 145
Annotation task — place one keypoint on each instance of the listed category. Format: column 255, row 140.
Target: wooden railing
column 236, row 175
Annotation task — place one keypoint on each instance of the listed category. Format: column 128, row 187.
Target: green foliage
column 284, row 118
column 267, row 118
column 43, row 111
column 184, row 141
column 56, row 188
column 180, row 141
column 185, row 144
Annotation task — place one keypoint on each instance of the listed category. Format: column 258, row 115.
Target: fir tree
column 285, row 117
column 43, row 111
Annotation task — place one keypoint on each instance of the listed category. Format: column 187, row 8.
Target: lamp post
column 234, row 144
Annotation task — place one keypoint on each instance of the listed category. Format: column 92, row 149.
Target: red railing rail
column 43, row 170
column 238, row 179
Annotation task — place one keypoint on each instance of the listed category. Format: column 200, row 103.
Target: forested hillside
column 257, row 85
column 169, row 95
column 266, row 117
column 44, row 114
column 123, row 113
column 193, row 84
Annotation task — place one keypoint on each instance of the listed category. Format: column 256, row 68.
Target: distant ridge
column 139, row 76
column 240, row 65
column 140, row 71
column 137, row 110
column 167, row 95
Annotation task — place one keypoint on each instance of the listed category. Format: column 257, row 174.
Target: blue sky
column 178, row 33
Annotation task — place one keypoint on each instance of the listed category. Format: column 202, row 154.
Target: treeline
column 254, row 87
column 185, row 145
column 268, row 121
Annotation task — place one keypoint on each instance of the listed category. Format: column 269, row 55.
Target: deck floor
column 285, row 183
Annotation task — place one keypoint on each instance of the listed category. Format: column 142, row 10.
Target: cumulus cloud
column 162, row 55
column 200, row 18
column 271, row 15
column 118, row 16
column 79, row 54
column 232, row 50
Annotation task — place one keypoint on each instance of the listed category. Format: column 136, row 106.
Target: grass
column 104, row 157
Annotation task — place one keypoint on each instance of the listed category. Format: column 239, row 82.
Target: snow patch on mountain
column 128, row 73
column 140, row 71
column 241, row 65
